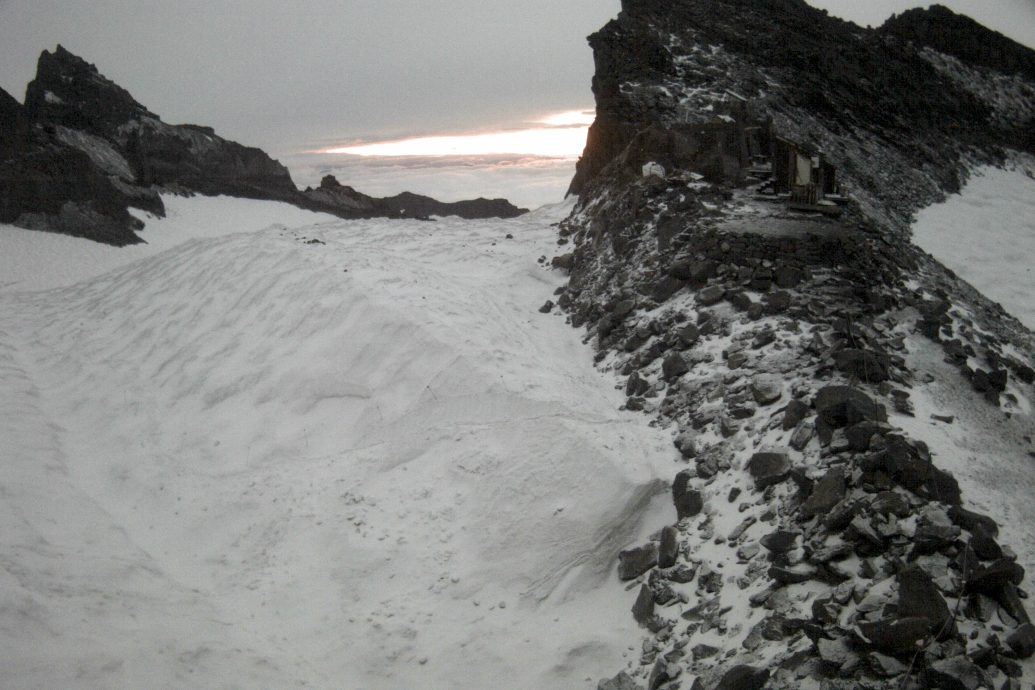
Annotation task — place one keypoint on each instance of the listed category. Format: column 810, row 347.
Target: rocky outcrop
column 827, row 546
column 335, row 197
column 940, row 28
column 82, row 151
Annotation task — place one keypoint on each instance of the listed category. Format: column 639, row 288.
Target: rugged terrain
column 82, row 151
column 833, row 528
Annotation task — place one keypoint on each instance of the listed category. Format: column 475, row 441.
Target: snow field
column 986, row 234
column 255, row 461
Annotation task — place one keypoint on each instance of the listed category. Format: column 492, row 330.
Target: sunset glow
column 562, row 136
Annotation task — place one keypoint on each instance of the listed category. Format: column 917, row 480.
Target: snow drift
column 349, row 454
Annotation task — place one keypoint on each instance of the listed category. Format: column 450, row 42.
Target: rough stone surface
column 635, row 562
column 769, row 467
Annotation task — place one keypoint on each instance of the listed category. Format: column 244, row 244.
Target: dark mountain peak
column 960, row 36
column 70, row 91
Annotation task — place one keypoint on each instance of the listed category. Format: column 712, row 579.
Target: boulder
column 688, row 502
column 623, row 681
column 864, row 365
column 743, row 677
column 897, row 635
column 710, row 295
column 668, row 547
column 635, row 562
column 794, row 413
column 766, row 389
column 674, row 366
column 1022, row 641
column 666, row 287
column 780, row 541
column 826, row 493
column 769, row 468
column 989, row 579
column 919, row 597
column 643, row 607
column 840, row 406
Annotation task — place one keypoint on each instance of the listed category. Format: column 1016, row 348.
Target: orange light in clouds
column 564, row 136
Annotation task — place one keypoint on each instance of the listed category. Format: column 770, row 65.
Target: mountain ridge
column 740, row 254
column 81, row 151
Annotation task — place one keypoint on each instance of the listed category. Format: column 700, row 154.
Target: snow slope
column 986, row 234
column 255, row 460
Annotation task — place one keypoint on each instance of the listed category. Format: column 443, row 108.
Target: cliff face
column 845, row 89
column 739, row 252
column 82, row 151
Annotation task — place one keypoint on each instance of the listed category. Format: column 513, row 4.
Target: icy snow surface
column 986, row 234
column 254, row 461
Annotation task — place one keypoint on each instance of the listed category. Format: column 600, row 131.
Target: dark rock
column 674, row 366
column 918, row 597
column 827, row 493
column 930, row 538
column 942, row 486
column 787, row 276
column 743, row 677
column 841, row 406
column 623, row 681
column 563, row 261
column 762, row 339
column 643, row 607
column 802, row 435
column 710, row 295
column 778, row 301
column 668, row 548
column 659, row 675
column 957, row 673
column 864, row 365
column 739, row 300
column 841, row 515
column 547, row 307
column 970, row 520
column 635, row 385
column 895, row 636
column 1022, row 641
column 890, row 503
column 739, row 530
column 794, row 413
column 769, row 468
column 635, row 562
column 666, row 287
column 688, row 334
column 1009, row 600
column 859, row 435
column 688, row 502
column 836, row 653
column 703, row 651
column 791, row 576
column 991, row 578
column 780, row 541
column 984, row 545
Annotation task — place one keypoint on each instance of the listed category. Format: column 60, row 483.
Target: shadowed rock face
column 798, row 65
column 82, row 151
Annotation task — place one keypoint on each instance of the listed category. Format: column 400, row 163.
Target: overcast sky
column 286, row 74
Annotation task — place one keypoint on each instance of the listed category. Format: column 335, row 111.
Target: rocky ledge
column 802, row 349
column 81, row 151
